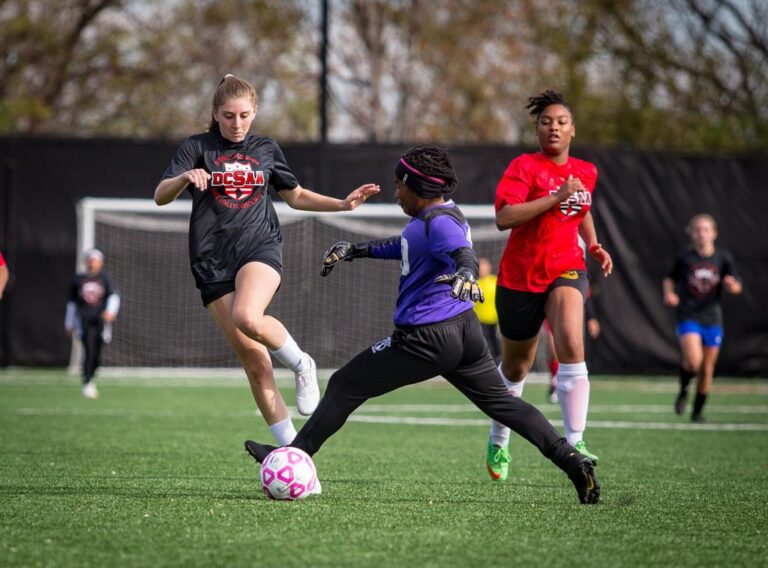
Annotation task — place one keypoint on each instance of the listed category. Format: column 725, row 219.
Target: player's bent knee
column 253, row 327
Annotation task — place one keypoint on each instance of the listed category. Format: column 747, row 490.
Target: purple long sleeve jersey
column 422, row 259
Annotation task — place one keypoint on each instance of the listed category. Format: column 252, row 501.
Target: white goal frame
column 88, row 207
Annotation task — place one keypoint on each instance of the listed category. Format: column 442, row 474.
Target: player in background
column 694, row 287
column 235, row 244
column 436, row 330
column 4, row 275
column 92, row 308
column 545, row 199
column 486, row 311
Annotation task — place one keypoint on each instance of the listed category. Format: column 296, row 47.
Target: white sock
column 283, row 431
column 573, row 394
column 290, row 355
column 499, row 433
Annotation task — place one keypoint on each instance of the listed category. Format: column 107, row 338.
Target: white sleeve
column 70, row 319
column 113, row 304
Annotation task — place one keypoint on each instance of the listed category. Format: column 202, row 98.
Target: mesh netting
column 162, row 321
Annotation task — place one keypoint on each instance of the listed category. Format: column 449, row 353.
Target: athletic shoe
column 698, row 418
column 497, row 461
column 317, row 489
column 307, row 389
column 680, row 404
column 581, row 472
column 89, row 391
column 258, row 451
column 581, row 447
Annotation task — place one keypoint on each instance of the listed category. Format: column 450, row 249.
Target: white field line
column 593, row 409
column 609, row 424
column 410, row 420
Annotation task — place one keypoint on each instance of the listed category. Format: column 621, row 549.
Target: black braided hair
column 433, row 161
column 538, row 103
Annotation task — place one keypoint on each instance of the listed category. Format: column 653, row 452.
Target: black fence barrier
column 642, row 203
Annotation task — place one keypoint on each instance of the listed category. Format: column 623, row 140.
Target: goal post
column 163, row 328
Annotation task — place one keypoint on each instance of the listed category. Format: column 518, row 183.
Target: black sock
column 560, row 452
column 698, row 404
column 685, row 378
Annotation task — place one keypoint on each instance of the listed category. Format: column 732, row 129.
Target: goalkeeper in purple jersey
column 436, row 330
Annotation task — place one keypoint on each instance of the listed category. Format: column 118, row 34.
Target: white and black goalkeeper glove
column 342, row 251
column 463, row 286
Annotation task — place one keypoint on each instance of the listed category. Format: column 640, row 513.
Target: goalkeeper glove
column 342, row 251
column 463, row 286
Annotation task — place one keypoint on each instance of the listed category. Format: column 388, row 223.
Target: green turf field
column 153, row 474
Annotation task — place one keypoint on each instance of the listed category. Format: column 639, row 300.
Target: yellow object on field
column 486, row 312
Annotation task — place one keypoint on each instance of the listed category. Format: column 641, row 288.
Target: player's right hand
column 571, row 186
column 334, row 255
column 198, row 177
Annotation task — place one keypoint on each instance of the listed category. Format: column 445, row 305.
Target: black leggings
column 455, row 349
column 92, row 344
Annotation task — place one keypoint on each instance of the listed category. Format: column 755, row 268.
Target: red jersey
column 543, row 248
column 2, row 260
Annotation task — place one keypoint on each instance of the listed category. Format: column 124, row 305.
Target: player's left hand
column 358, row 196
column 731, row 284
column 463, row 286
column 601, row 256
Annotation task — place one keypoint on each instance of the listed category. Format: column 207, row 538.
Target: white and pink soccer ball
column 288, row 474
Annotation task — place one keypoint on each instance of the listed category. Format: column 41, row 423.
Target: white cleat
column 89, row 391
column 307, row 389
column 317, row 489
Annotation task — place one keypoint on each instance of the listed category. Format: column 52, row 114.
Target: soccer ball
column 288, row 474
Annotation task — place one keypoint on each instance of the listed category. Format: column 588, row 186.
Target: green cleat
column 497, row 461
column 581, row 447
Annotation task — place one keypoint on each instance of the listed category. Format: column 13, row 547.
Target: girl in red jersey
column 235, row 244
column 545, row 198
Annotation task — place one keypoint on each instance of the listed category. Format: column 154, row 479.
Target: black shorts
column 522, row 313
column 270, row 253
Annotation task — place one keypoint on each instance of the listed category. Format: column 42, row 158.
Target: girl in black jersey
column 235, row 245
column 694, row 286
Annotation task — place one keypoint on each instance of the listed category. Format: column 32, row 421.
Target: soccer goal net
column 162, row 323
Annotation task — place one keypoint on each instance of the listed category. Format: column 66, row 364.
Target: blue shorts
column 711, row 335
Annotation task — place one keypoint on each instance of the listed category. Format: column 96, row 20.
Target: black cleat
column 581, row 472
column 258, row 451
column 698, row 418
column 680, row 404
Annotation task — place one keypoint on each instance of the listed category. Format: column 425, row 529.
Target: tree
column 149, row 67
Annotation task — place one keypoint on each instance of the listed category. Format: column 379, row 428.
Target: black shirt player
column 235, row 245
column 694, row 286
column 92, row 307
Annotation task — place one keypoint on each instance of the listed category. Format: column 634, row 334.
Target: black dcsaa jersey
column 89, row 293
column 699, row 284
column 234, row 215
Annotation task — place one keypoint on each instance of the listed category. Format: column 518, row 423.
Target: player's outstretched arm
column 343, row 250
column 306, row 200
